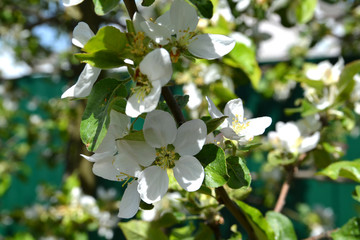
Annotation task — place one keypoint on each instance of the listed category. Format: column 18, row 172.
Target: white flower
column 195, row 97
column 69, row 3
column 326, row 72
column 178, row 27
column 355, row 95
column 82, row 88
column 155, row 71
column 289, row 137
column 236, row 127
column 167, row 147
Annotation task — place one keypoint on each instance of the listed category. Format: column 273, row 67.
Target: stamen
column 166, row 157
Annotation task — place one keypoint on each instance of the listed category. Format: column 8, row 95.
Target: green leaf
column 261, row 227
column 350, row 231
column 103, row 59
column 96, row 118
column 346, row 81
column 244, row 58
column 167, row 219
column 5, row 182
column 213, row 160
column 107, row 38
column 346, row 169
column 238, row 172
column 278, row 157
column 119, row 104
column 281, row 225
column 141, row 230
column 102, row 7
column 205, row 7
column 356, row 193
column 304, row 10
column 204, row 232
column 213, row 124
column 147, row 3
column 134, row 136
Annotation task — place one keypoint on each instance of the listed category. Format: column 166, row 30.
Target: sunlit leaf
column 346, row 169
column 350, row 231
column 281, row 225
column 141, row 230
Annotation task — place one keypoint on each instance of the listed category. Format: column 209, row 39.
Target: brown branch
column 131, row 7
column 173, row 105
column 326, row 234
column 223, row 198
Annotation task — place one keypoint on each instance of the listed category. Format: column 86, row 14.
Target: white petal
column 138, row 19
column 190, row 137
column 84, row 84
column 165, row 21
column 125, row 166
column 160, row 34
column 189, row 173
column 157, row 66
column 130, row 201
column 68, row 3
column 82, row 34
column 99, row 156
column 230, row 133
column 234, row 110
column 106, row 169
column 135, row 106
column 153, row 184
column 210, row 46
column 183, row 16
column 255, row 126
column 215, row 113
column 159, row 129
column 119, row 124
column 309, row 143
column 137, row 151
column 242, row 5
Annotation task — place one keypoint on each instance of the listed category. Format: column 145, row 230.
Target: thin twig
column 131, row 7
column 173, row 105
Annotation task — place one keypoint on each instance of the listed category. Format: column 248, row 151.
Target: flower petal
column 125, row 166
column 215, row 113
column 210, row 46
column 138, row 19
column 106, row 169
column 256, row 126
column 165, row 21
column 82, row 34
column 99, row 156
column 159, row 129
column 153, row 184
column 160, row 34
column 157, row 66
column 234, row 110
column 137, row 151
column 84, row 84
column 184, row 17
column 190, row 137
column 130, row 201
column 189, row 173
column 135, row 106
column 230, row 133
column 68, row 3
column 309, row 143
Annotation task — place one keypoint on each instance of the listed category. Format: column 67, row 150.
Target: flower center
column 184, row 37
column 138, row 47
column 143, row 85
column 166, row 157
column 238, row 126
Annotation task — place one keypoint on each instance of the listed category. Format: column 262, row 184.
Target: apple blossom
column 154, row 71
column 69, row 3
column 166, row 147
column 177, row 26
column 289, row 137
column 236, row 127
column 82, row 88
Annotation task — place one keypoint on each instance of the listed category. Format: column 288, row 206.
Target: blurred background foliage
column 47, row 191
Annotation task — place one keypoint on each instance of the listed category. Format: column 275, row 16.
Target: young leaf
column 135, row 136
column 103, row 59
column 244, row 58
column 102, row 7
column 281, row 225
column 96, row 118
column 261, row 227
column 304, row 10
column 205, row 7
column 107, row 38
column 350, row 231
column 238, row 172
column 356, row 193
column 147, row 3
column 346, row 81
column 347, row 169
column 213, row 160
column 213, row 124
column 141, row 230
